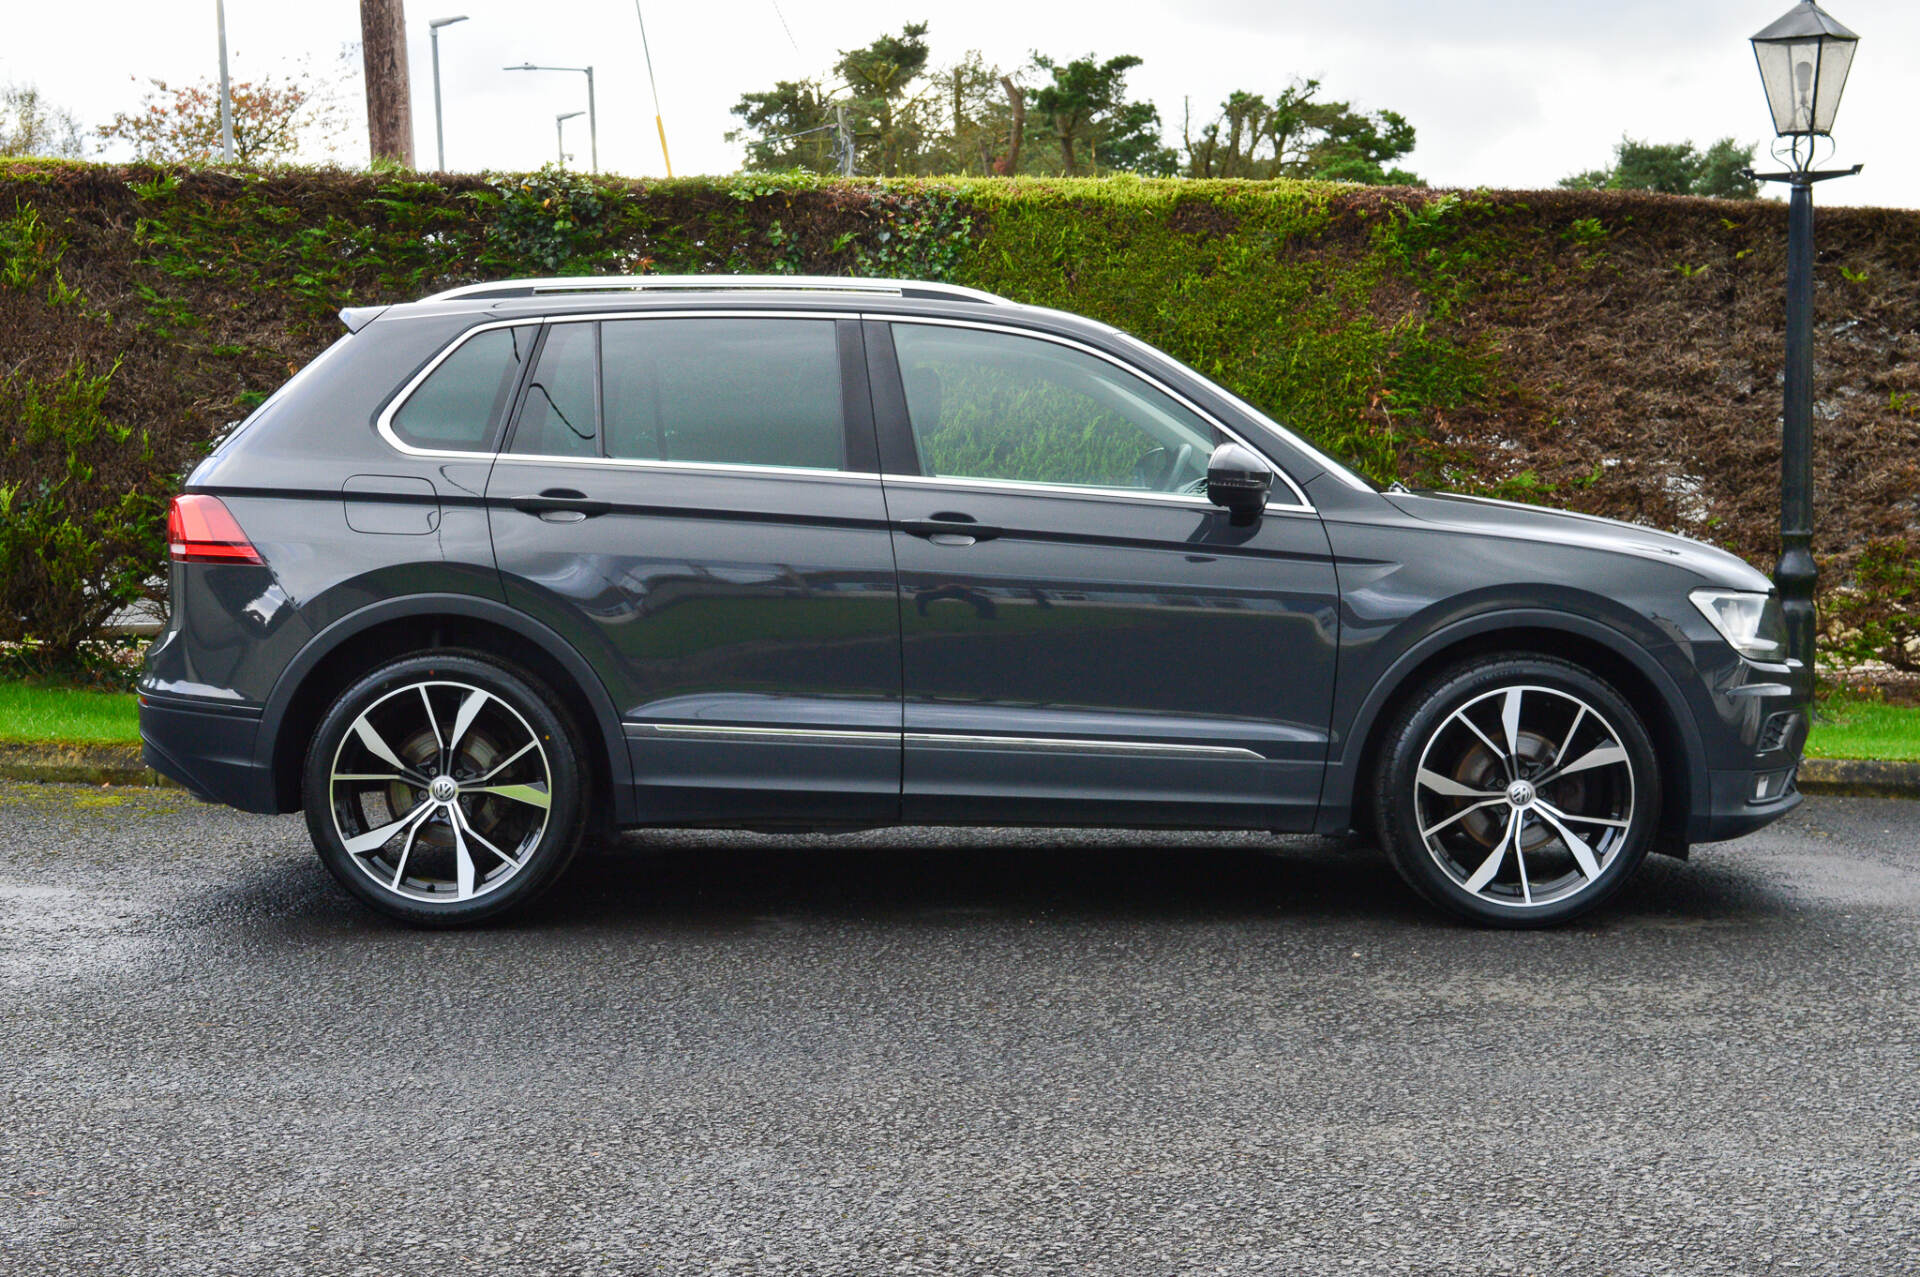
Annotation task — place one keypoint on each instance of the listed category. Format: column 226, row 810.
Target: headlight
column 1750, row 621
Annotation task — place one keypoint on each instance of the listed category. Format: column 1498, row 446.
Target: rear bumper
column 208, row 748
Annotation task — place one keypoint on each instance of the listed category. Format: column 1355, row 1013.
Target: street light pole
column 226, row 93
column 439, row 128
column 1804, row 58
column 560, row 133
column 593, row 118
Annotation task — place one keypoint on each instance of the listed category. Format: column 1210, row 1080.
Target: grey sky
column 1503, row 92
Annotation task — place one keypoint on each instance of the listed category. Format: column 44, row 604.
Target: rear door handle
column 949, row 531
column 559, row 502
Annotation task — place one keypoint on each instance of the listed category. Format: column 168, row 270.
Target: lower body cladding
column 748, row 774
column 208, row 748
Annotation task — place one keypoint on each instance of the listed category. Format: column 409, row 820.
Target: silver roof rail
column 566, row 284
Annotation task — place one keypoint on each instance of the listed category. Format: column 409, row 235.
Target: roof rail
column 717, row 283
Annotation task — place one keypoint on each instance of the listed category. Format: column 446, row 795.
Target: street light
column 593, row 120
column 226, row 92
column 560, row 133
column 1804, row 58
column 439, row 132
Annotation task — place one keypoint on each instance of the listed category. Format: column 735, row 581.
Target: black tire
column 1578, row 779
column 462, row 716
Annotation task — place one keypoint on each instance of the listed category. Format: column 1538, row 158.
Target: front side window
column 465, row 396
column 757, row 392
column 993, row 405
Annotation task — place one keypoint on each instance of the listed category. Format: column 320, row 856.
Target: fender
column 323, row 644
column 1336, row 790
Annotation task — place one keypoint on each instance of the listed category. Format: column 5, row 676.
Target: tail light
column 201, row 530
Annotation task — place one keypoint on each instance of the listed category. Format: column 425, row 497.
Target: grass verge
column 37, row 712
column 1848, row 727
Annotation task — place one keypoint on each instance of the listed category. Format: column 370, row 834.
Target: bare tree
column 30, row 125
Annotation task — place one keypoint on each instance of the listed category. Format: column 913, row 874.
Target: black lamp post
column 1804, row 58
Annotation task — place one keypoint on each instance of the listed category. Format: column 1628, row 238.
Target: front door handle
column 949, row 531
column 559, row 501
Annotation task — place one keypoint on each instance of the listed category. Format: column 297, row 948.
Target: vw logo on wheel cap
column 443, row 789
column 1520, row 793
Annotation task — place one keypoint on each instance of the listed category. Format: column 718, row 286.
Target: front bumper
column 1751, row 781
column 207, row 747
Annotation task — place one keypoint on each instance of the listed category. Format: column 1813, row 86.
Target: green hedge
column 1612, row 352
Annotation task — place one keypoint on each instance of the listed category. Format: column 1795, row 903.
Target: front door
column 692, row 501
column 1084, row 636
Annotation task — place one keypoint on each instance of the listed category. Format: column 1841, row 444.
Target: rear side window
column 457, row 407
column 758, row 392
column 560, row 416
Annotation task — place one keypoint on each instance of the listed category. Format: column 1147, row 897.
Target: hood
column 1485, row 516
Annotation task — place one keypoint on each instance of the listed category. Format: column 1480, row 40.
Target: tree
column 1674, row 168
column 30, row 125
column 909, row 117
column 1086, row 103
column 273, row 119
column 786, row 127
column 1297, row 135
column 887, row 106
column 885, row 112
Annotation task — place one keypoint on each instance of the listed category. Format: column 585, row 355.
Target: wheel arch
column 398, row 627
column 1628, row 666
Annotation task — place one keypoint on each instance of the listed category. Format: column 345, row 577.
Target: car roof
column 561, row 295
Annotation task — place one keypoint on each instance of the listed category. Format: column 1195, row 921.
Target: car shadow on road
column 720, row 880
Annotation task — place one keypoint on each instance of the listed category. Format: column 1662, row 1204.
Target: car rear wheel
column 1517, row 791
column 445, row 788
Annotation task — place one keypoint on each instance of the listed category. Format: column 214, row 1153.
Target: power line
column 783, row 25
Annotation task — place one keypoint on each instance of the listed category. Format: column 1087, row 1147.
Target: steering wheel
column 1171, row 481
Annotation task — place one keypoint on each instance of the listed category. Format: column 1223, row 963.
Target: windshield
column 1346, row 474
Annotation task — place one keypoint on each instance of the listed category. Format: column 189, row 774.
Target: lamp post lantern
column 593, row 119
column 1804, row 58
column 439, row 130
column 560, row 133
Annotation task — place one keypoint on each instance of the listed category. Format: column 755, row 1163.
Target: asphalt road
column 949, row 1052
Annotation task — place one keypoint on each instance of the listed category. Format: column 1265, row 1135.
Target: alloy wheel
column 440, row 791
column 1524, row 796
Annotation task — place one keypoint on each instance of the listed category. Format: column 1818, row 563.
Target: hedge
column 1610, row 352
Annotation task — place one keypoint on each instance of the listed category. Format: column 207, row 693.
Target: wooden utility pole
column 383, row 46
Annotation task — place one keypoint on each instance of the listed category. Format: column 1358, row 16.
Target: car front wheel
column 1517, row 791
column 445, row 788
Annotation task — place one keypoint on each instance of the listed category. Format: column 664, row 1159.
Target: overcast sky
column 1504, row 93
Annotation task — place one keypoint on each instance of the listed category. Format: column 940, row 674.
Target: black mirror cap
column 1239, row 482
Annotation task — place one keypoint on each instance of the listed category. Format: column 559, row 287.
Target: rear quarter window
column 463, row 400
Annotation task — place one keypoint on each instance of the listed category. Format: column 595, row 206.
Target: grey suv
column 530, row 558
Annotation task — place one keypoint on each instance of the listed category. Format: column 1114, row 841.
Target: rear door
column 1085, row 637
column 691, row 499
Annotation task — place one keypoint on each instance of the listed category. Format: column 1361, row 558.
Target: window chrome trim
column 383, row 424
column 1301, row 505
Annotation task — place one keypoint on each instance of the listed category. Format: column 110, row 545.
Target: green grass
column 67, row 715
column 1845, row 727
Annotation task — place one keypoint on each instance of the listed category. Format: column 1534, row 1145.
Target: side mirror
column 1239, row 482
